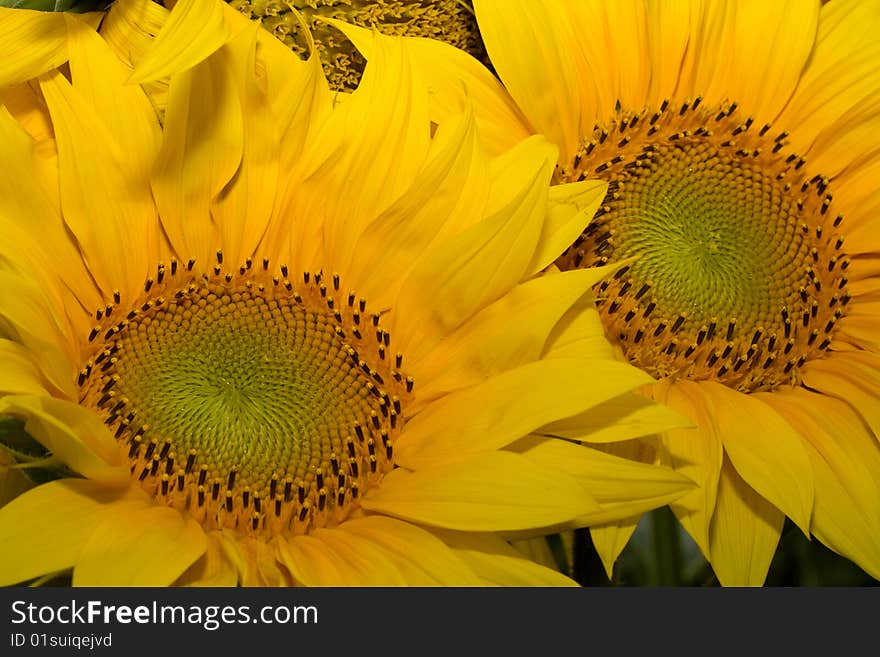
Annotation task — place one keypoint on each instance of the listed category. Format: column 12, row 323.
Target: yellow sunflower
column 281, row 341
column 740, row 144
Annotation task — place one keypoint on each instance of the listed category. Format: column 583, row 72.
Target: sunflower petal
column 367, row 563
column 846, row 463
column 780, row 35
column 200, row 154
column 622, row 487
column 455, row 79
column 611, row 538
column 695, row 452
column 481, row 417
column 553, row 103
column 473, row 268
column 25, row 196
column 19, row 375
column 497, row 563
column 842, row 76
column 43, row 530
column 193, row 31
column 850, row 378
column 38, row 40
column 488, row 491
column 620, row 418
column 422, row 558
column 214, row 568
column 151, row 546
column 113, row 225
column 765, row 451
column 505, row 334
column 122, row 108
column 745, row 532
column 451, row 193
column 571, row 207
column 244, row 207
column 312, row 563
column 73, row 434
column 28, row 319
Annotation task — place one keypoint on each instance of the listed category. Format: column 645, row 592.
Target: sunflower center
column 734, row 270
column 248, row 401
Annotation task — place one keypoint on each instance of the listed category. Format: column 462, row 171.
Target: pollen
column 728, row 261
column 247, row 399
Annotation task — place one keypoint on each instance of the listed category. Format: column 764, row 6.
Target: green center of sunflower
column 734, row 270
column 248, row 401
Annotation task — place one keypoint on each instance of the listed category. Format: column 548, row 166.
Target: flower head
column 281, row 340
column 739, row 141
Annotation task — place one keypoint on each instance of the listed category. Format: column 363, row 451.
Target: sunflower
column 282, row 340
column 740, row 144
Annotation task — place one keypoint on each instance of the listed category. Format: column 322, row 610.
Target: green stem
column 667, row 548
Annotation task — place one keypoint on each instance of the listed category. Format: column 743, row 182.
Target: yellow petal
column 780, row 35
column 122, row 108
column 19, row 375
column 488, row 491
column 765, row 450
column 312, row 563
column 621, row 418
column 851, row 378
column 73, row 434
column 846, row 464
column 477, row 266
column 499, row 564
column 244, row 207
column 111, row 214
column 670, row 24
column 43, row 530
column 502, row 336
column 193, row 31
column 41, row 243
column 571, row 208
column 695, row 452
column 861, row 330
column 214, row 568
column 131, row 26
column 365, row 563
column 842, row 76
column 200, row 153
column 422, row 558
column 451, row 193
column 371, row 153
column 622, row 487
column 580, row 333
column 301, row 102
column 151, row 546
column 35, row 40
column 31, row 320
column 611, row 538
column 482, row 418
column 745, row 532
column 534, row 48
column 455, row 79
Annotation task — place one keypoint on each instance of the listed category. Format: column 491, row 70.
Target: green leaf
column 74, row 6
